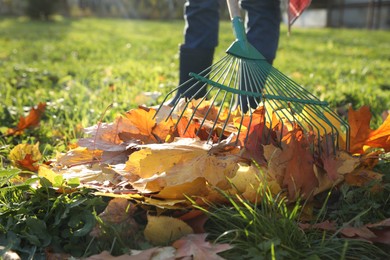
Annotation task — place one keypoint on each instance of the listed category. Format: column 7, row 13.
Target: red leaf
column 254, row 133
column 28, row 163
column 31, row 120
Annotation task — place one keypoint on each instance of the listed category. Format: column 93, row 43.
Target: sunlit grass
column 81, row 67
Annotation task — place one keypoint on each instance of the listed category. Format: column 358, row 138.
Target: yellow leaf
column 321, row 123
column 198, row 187
column 251, row 182
column 78, row 156
column 162, row 230
column 20, row 151
column 245, row 175
column 171, row 165
column 50, row 175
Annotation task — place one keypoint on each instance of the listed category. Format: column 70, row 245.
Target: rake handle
column 234, row 9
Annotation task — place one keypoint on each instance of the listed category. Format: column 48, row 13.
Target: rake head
column 244, row 93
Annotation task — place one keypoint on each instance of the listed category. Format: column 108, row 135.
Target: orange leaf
column 361, row 133
column 164, row 130
column 190, row 129
column 143, row 119
column 381, row 136
column 299, row 176
column 28, row 163
column 31, row 120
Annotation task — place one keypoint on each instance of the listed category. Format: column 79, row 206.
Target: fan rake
column 239, row 85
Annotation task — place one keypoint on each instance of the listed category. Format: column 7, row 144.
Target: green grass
column 80, row 67
column 71, row 63
column 269, row 230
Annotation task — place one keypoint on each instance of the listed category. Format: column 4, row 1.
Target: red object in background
column 295, row 9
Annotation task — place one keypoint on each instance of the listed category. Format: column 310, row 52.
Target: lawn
column 81, row 67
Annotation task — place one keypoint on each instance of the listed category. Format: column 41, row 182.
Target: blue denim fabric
column 262, row 21
column 201, row 24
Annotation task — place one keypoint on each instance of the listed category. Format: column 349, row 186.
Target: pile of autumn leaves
column 153, row 160
column 169, row 161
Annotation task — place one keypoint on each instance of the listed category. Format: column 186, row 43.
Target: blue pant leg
column 201, row 24
column 262, row 21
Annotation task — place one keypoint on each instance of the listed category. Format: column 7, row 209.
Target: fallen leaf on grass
column 377, row 232
column 119, row 215
column 162, row 230
column 25, row 156
column 362, row 177
column 31, row 120
column 196, row 247
column 55, row 179
column 325, row 225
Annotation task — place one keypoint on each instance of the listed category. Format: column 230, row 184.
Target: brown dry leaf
column 361, row 177
column 196, row 247
column 325, row 225
column 31, row 120
column 338, row 165
column 205, row 110
column 78, row 156
column 118, row 210
column 162, row 230
column 196, row 219
column 25, row 156
column 377, row 232
column 254, row 128
column 293, row 167
column 107, row 136
column 118, row 214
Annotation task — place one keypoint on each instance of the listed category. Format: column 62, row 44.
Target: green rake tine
column 207, row 113
column 216, row 119
column 193, row 114
column 228, row 116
